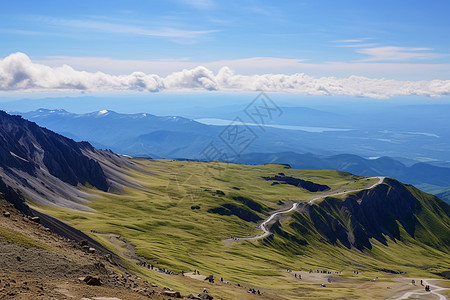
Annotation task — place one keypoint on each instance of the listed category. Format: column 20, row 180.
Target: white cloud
column 119, row 28
column 390, row 53
column 258, row 65
column 167, row 66
column 200, row 4
column 351, row 41
column 358, row 45
column 19, row 73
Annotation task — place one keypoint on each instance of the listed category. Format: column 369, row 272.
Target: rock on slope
column 38, row 264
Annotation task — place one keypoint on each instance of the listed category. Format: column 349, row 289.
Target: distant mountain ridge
column 144, row 134
column 419, row 173
column 108, row 129
column 141, row 134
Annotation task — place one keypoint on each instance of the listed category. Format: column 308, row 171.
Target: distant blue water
column 221, row 122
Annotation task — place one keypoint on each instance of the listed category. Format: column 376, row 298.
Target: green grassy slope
column 185, row 211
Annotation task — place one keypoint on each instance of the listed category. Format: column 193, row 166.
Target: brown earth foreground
column 38, row 264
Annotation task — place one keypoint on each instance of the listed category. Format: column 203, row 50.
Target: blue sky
column 399, row 40
column 205, row 30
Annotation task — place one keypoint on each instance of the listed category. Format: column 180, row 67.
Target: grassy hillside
column 183, row 215
column 39, row 264
column 444, row 195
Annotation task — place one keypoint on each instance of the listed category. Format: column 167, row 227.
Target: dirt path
column 124, row 248
column 380, row 181
column 195, row 276
column 264, row 224
column 420, row 293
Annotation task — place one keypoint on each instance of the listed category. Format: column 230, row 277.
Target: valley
column 224, row 150
column 168, row 230
column 287, row 233
column 399, row 151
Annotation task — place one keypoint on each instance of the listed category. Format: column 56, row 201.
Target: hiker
column 299, row 276
column 413, row 282
column 295, row 275
column 205, row 291
column 259, row 293
column 221, row 279
column 421, row 282
column 427, row 288
column 151, row 266
column 329, row 279
column 182, row 273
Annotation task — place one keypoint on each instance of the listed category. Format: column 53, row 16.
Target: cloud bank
column 19, row 73
column 390, row 53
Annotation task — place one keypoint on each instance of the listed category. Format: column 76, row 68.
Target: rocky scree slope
column 47, row 167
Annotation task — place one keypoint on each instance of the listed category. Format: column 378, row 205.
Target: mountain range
column 177, row 137
column 144, row 134
column 179, row 215
column 48, row 169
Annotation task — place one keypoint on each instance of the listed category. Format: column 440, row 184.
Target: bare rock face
column 300, row 183
column 36, row 219
column 26, row 147
column 90, row 280
column 38, row 164
column 205, row 296
column 174, row 294
column 14, row 197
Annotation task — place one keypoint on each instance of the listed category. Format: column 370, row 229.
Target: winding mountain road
column 434, row 290
column 264, row 224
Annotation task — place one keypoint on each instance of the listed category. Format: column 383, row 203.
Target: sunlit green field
column 168, row 222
